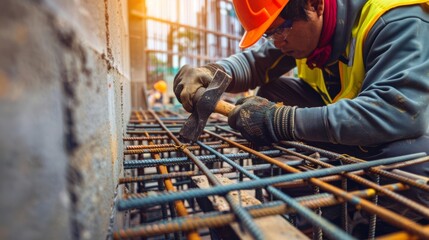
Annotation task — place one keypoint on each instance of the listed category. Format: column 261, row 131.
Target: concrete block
column 64, row 105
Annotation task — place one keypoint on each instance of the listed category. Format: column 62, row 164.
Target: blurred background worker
column 363, row 68
column 157, row 96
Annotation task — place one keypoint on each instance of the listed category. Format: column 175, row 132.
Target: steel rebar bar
column 245, row 219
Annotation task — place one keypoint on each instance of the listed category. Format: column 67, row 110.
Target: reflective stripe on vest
column 352, row 74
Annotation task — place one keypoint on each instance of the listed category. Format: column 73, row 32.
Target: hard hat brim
column 251, row 37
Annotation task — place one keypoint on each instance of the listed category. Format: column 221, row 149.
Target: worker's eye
column 276, row 32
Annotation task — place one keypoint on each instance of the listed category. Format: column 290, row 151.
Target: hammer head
column 205, row 103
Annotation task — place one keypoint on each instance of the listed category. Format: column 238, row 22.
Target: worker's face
column 300, row 40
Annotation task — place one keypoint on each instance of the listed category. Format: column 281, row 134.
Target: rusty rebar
column 329, row 229
column 245, row 218
column 151, row 177
column 375, row 170
column 219, row 219
column 309, row 201
column 389, row 216
column 396, row 197
column 145, row 138
column 179, row 205
column 170, row 149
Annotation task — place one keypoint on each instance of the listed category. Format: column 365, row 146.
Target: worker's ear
column 316, row 6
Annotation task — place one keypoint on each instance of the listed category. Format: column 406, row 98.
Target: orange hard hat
column 256, row 16
column 160, row 86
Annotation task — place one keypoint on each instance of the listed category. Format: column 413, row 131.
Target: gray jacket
column 393, row 102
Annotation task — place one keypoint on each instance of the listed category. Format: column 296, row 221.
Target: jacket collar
column 347, row 13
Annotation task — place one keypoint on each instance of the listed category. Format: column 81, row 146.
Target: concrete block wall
column 64, row 105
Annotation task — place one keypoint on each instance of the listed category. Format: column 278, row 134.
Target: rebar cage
column 223, row 187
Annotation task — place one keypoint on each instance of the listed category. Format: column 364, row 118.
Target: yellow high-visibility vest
column 352, row 74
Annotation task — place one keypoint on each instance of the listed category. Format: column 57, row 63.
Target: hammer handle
column 224, row 108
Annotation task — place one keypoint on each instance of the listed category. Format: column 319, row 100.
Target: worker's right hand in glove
column 189, row 79
column 261, row 121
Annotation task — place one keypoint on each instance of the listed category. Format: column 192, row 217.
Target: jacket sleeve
column 256, row 67
column 393, row 102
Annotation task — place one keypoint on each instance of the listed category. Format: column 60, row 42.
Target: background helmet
column 160, row 86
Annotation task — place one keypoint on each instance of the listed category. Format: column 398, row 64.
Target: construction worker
column 363, row 67
column 156, row 96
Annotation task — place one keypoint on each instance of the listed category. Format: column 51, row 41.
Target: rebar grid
column 164, row 200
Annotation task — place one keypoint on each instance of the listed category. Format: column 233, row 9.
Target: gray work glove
column 261, row 121
column 189, row 79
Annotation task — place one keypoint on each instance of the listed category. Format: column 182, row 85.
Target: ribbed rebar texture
column 224, row 187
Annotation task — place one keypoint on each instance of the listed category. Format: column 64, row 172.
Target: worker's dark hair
column 295, row 10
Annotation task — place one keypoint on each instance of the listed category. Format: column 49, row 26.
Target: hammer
column 206, row 101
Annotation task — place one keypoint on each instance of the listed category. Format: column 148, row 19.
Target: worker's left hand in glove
column 189, row 80
column 261, row 121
